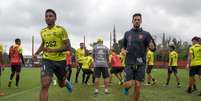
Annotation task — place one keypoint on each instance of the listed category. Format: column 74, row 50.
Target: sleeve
column 125, row 41
column 148, row 40
column 64, row 35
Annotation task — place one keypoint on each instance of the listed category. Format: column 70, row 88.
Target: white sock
column 96, row 90
column 106, row 90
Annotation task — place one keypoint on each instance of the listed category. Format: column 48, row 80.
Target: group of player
column 136, row 58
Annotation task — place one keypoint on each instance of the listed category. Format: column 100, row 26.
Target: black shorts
column 149, row 69
column 101, row 70
column 134, row 72
column 50, row 67
column 16, row 68
column 115, row 70
column 172, row 69
column 87, row 71
column 195, row 70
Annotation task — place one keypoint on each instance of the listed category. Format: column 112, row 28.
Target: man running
column 101, row 59
column 194, row 63
column 135, row 44
column 55, row 43
column 80, row 53
column 15, row 58
column 173, row 59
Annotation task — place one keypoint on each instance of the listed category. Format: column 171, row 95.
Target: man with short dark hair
column 135, row 44
column 194, row 63
column 55, row 43
column 15, row 59
column 80, row 53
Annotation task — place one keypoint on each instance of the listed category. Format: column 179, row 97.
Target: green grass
column 30, row 87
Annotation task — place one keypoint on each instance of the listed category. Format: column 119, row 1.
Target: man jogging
column 55, row 43
column 135, row 44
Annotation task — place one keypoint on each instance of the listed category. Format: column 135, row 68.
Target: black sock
column 88, row 76
column 77, row 74
column 17, row 79
column 12, row 75
column 153, row 79
column 83, row 77
column 194, row 86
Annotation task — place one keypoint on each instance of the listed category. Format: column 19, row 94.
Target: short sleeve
column 64, row 35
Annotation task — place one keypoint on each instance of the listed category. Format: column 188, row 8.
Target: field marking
column 19, row 93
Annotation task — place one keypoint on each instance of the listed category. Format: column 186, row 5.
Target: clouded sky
column 96, row 18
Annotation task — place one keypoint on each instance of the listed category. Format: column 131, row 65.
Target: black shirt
column 136, row 42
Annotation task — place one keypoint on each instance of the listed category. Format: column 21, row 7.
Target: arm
column 189, row 60
column 22, row 58
column 40, row 49
column 150, row 43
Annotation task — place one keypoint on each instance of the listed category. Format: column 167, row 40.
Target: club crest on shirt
column 140, row 36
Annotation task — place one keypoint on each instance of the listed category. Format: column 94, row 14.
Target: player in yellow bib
column 54, row 44
column 87, row 68
column 150, row 65
column 80, row 53
column 172, row 66
column 194, row 64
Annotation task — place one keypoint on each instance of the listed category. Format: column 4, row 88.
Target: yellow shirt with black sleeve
column 80, row 53
column 88, row 60
column 54, row 38
column 150, row 58
column 173, row 56
column 195, row 50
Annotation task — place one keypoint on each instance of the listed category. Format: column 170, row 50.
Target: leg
column 169, row 75
column 17, row 79
column 105, row 74
column 18, row 70
column 83, row 76
column 137, row 90
column 87, row 79
column 77, row 73
column 45, row 82
column 13, row 69
column 69, row 73
column 97, row 74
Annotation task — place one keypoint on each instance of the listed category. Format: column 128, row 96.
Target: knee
column 45, row 85
column 137, row 84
